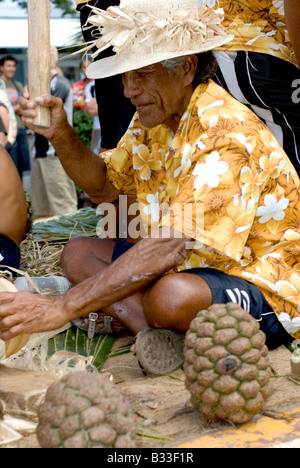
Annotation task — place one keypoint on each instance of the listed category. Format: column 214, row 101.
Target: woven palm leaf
column 57, row 353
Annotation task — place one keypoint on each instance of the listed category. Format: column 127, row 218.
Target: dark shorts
column 10, row 254
column 227, row 288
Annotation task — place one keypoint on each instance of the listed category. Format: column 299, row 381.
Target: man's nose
column 131, row 85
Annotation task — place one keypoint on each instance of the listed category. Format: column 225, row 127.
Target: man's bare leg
column 175, row 299
column 82, row 258
column 172, row 302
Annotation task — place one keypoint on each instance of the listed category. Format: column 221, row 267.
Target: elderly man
column 216, row 195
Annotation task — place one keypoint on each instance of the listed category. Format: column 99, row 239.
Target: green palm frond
column 62, row 228
column 76, row 341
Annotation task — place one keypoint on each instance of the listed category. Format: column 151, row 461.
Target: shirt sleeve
column 119, row 164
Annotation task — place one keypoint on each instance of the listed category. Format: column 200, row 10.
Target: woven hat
column 143, row 32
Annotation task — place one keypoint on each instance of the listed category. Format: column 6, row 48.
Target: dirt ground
column 162, row 404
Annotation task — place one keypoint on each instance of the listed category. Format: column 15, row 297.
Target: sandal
column 159, row 351
column 90, row 325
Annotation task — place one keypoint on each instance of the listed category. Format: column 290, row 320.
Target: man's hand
column 26, row 313
column 85, row 168
column 58, row 117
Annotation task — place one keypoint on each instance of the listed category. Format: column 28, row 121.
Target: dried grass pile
column 40, row 258
column 42, row 247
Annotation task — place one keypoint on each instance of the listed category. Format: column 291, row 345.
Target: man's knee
column 84, row 256
column 72, row 252
column 175, row 299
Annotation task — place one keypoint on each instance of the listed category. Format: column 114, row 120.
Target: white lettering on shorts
column 239, row 297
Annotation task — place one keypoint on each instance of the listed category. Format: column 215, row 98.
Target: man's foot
column 159, row 351
column 99, row 324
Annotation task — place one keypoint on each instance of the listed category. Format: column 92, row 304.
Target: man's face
column 8, row 70
column 160, row 97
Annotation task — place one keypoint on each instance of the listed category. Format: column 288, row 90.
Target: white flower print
column 291, row 235
column 290, row 325
column 209, row 172
column 153, row 207
column 213, row 121
column 272, row 209
column 209, row 3
column 210, row 106
column 185, row 160
column 279, row 4
column 268, row 34
column 242, row 139
column 200, row 145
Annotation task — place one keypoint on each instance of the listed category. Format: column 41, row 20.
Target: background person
column 79, row 87
column 8, row 116
column 259, row 67
column 52, row 191
column 92, row 109
column 20, row 150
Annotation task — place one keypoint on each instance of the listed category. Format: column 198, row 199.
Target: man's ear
column 190, row 67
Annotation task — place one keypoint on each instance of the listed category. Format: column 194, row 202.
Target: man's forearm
column 134, row 271
column 84, row 167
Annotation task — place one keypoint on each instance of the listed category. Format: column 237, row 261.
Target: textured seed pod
column 226, row 364
column 85, row 410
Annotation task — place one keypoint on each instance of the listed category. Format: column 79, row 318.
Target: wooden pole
column 39, row 56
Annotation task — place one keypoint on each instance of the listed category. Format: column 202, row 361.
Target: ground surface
column 165, row 415
column 162, row 405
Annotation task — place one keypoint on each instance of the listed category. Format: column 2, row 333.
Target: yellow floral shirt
column 224, row 161
column 257, row 26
